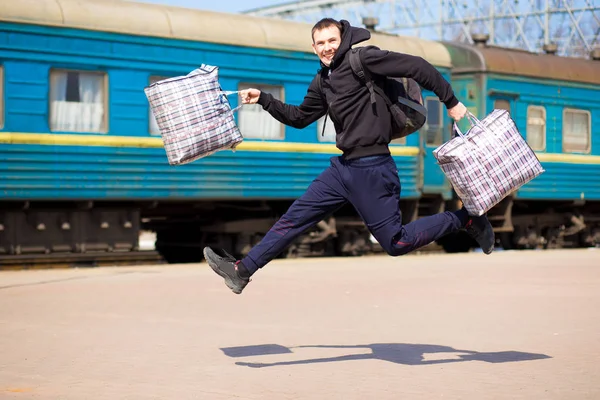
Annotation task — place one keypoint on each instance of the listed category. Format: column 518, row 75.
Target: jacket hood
column 351, row 35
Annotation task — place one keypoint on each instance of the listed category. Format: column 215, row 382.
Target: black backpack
column 402, row 96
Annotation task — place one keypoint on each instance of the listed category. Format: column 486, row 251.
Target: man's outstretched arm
column 311, row 109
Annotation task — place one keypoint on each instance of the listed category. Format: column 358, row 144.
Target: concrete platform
column 513, row 325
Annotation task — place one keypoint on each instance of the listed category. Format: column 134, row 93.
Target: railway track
column 103, row 259
column 79, row 260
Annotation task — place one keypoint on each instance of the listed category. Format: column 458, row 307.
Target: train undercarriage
column 183, row 229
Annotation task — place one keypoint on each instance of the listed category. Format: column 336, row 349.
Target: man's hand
column 457, row 112
column 249, row 96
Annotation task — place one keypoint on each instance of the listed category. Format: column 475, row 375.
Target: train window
column 1, row 96
column 433, row 125
column 78, row 101
column 153, row 125
column 329, row 134
column 576, row 130
column 256, row 123
column 502, row 104
column 536, row 127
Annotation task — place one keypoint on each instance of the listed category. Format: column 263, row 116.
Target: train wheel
column 506, row 240
column 459, row 242
column 179, row 246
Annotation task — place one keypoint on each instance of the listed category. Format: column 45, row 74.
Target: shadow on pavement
column 399, row 353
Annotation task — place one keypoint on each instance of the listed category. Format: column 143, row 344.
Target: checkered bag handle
column 474, row 122
column 229, row 93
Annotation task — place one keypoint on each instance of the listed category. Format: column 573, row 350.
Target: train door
column 433, row 135
column 439, row 129
column 468, row 88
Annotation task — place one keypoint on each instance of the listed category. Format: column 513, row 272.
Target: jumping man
column 365, row 174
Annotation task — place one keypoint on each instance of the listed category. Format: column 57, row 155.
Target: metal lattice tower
column 570, row 26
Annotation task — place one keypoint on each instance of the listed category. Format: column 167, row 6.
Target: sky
column 233, row 6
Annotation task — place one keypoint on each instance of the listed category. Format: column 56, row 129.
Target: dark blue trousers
column 372, row 186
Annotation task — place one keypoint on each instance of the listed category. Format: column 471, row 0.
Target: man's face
column 325, row 43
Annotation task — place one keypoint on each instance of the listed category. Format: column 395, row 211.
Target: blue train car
column 555, row 103
column 82, row 166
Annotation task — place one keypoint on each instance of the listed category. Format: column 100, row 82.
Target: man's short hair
column 325, row 23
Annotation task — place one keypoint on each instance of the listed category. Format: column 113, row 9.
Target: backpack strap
column 364, row 75
column 411, row 104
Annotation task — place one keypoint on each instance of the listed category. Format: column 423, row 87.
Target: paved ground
column 514, row 325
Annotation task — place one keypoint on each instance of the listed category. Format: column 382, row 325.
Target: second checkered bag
column 489, row 162
column 193, row 115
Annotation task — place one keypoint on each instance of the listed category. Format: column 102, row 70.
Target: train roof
column 468, row 58
column 142, row 19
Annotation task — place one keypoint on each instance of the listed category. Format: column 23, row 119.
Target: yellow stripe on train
column 131, row 141
column 567, row 158
column 78, row 140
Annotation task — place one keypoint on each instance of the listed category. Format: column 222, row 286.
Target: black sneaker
column 225, row 265
column 480, row 229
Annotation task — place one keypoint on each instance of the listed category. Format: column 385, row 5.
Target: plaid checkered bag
column 193, row 115
column 487, row 163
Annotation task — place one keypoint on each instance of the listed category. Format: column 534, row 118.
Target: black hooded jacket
column 360, row 131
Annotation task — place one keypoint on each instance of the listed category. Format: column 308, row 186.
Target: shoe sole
column 222, row 274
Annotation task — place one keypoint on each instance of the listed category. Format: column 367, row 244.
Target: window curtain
column 85, row 115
